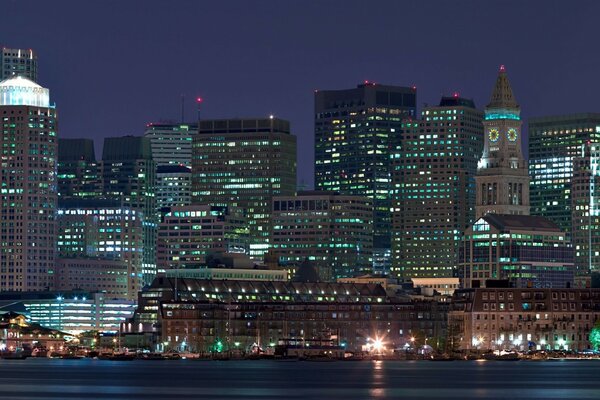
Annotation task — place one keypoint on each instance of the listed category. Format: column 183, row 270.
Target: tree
column 595, row 336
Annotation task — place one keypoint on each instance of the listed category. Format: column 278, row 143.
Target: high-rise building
column 102, row 229
column 187, row 235
column 434, row 163
column 28, row 145
column 333, row 231
column 505, row 242
column 18, row 62
column 554, row 142
column 173, row 186
column 244, row 163
column 502, row 176
column 171, row 143
column 78, row 172
column 354, row 132
column 129, row 173
column 585, row 206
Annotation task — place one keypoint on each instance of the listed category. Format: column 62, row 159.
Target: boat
column 117, row 357
column 17, row 354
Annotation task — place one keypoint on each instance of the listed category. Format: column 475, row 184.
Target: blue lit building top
column 503, row 104
column 20, row 91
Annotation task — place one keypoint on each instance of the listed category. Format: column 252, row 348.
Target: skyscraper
column 333, row 231
column 554, row 142
column 585, row 206
column 28, row 145
column 433, row 176
column 173, row 186
column 354, row 130
column 78, row 171
column 18, row 62
column 129, row 173
column 505, row 242
column 243, row 163
column 171, row 143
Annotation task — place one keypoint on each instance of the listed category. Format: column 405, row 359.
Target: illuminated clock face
column 494, row 134
column 512, row 134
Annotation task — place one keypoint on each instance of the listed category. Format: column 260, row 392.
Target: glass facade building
column 434, row 163
column 78, row 171
column 171, row 143
column 18, row 62
column 28, row 187
column 334, row 232
column 354, row 132
column 243, row 163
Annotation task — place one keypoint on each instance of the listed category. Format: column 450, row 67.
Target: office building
column 128, row 174
column 173, row 186
column 354, row 132
column 28, row 195
column 434, row 163
column 18, row 62
column 506, row 242
column 585, row 206
column 78, row 172
column 554, row 142
column 171, row 143
column 187, row 235
column 244, row 163
column 103, row 229
column 92, row 274
column 333, row 231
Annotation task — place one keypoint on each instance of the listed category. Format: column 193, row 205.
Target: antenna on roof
column 182, row 108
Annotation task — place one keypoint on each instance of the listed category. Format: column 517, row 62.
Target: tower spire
column 502, row 94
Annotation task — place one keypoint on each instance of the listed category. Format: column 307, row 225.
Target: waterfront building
column 506, row 242
column 72, row 312
column 230, row 274
column 103, row 228
column 28, row 133
column 78, row 172
column 128, row 174
column 434, row 163
column 585, row 206
column 93, row 274
column 18, row 62
column 171, row 143
column 261, row 313
column 554, row 142
column 243, row 163
column 173, row 187
column 333, row 231
column 523, row 319
column 187, row 235
column 354, row 132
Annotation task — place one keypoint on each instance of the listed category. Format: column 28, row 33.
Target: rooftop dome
column 20, row 91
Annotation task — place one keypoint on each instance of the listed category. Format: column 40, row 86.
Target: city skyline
column 272, row 59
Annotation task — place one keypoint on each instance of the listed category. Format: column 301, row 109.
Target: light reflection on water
column 94, row 379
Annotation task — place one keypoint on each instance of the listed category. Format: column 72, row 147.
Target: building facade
column 28, row 195
column 585, row 209
column 333, row 231
column 171, row 143
column 354, row 131
column 103, row 229
column 523, row 319
column 173, row 187
column 129, row 174
column 18, row 62
column 78, row 172
column 554, row 142
column 434, row 163
column 243, row 163
column 105, row 275
column 187, row 235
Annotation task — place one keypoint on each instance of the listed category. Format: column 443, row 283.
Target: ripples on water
column 187, row 379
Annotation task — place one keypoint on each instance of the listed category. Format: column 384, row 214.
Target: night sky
column 113, row 66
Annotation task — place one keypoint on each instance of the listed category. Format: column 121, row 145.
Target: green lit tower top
column 502, row 178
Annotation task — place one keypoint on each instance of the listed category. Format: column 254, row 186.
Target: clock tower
column 502, row 175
